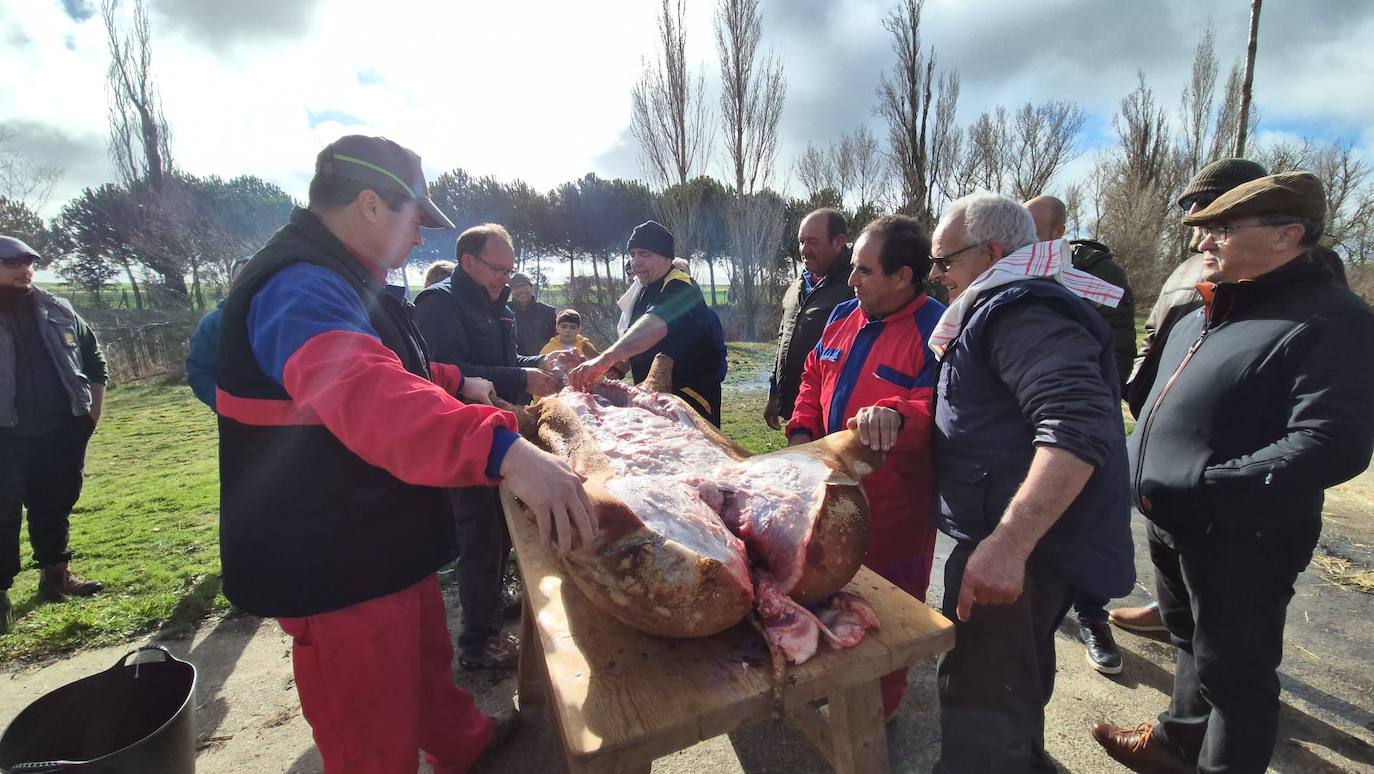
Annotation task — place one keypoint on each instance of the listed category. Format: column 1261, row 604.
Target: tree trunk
column 198, row 300
column 1246, row 88
column 133, row 283
column 711, row 271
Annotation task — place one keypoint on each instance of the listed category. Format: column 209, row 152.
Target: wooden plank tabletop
column 624, row 697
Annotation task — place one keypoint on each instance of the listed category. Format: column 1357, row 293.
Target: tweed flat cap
column 1295, row 194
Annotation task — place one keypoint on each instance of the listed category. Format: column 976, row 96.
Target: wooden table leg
column 858, row 735
column 531, row 681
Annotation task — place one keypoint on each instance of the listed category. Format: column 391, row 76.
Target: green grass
column 146, row 526
column 744, row 394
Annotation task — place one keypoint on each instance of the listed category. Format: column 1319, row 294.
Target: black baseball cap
column 384, row 166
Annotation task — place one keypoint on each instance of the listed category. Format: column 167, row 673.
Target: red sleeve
column 392, row 418
column 806, row 412
column 447, row 376
column 917, row 423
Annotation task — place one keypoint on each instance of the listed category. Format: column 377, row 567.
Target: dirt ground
column 248, row 717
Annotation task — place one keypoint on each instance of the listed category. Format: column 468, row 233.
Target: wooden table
column 620, row 698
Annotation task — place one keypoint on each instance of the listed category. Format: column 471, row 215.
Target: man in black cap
column 338, row 436
column 1266, row 404
column 52, row 389
column 534, row 321
column 669, row 315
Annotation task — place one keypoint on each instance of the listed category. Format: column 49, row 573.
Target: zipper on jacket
column 1149, row 420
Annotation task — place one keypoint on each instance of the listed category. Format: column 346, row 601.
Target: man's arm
column 647, row 331
column 93, row 364
column 807, row 422
column 447, row 338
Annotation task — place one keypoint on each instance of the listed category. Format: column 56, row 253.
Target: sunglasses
column 945, row 261
column 1201, row 200
column 18, row 263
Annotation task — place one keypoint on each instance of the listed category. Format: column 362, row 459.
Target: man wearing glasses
column 52, row 387
column 1263, row 402
column 466, row 321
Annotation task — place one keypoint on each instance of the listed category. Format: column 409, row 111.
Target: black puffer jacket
column 1265, row 397
column 803, row 319
column 463, row 326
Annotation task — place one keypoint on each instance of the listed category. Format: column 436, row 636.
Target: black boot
column 1102, row 651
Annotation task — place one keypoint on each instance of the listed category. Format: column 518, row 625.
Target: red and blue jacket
column 338, row 435
column 860, row 362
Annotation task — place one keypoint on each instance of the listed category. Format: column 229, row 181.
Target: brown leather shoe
column 1138, row 619
column 56, row 582
column 1138, row 750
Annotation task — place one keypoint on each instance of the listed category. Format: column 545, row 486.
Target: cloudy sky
column 541, row 90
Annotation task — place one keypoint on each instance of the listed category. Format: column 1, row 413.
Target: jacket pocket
column 891, row 375
column 963, row 499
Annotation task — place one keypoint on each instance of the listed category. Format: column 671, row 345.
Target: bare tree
column 815, row 170
column 904, row 100
column 945, row 138
column 989, row 149
column 872, row 173
column 1043, row 139
column 752, row 94
column 139, row 137
column 1247, row 88
column 671, row 122
column 22, row 180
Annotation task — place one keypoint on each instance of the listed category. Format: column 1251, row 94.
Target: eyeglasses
column 18, row 263
column 1201, row 200
column 945, row 261
column 500, row 272
column 1222, row 234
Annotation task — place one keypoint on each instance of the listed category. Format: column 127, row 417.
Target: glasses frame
column 946, row 261
column 1204, row 199
column 1220, row 235
column 507, row 273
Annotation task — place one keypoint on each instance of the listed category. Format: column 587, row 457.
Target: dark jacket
column 803, row 319
column 690, row 341
column 1096, row 259
column 1265, row 398
column 535, row 324
column 201, row 355
column 307, row 525
column 71, row 348
column 1032, row 367
column 463, row 326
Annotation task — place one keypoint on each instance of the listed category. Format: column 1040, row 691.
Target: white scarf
column 627, row 306
column 1040, row 259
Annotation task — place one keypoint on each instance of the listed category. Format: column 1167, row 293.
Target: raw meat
column 689, row 524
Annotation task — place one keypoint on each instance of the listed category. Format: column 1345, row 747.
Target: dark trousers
column 40, row 473
column 1090, row 609
column 1224, row 596
column 483, row 545
column 996, row 682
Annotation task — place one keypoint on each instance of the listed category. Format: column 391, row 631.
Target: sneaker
column 56, row 581
column 1139, row 619
column 1102, row 652
column 500, row 651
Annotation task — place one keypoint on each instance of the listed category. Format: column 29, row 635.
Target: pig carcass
column 695, row 533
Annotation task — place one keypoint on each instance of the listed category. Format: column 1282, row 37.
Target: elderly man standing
column 466, row 321
column 338, row 435
column 1030, row 467
column 668, row 314
column 1266, row 404
column 872, row 371
column 1050, row 216
column 534, row 321
column 52, row 389
column 806, row 306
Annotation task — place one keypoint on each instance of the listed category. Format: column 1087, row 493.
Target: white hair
column 990, row 217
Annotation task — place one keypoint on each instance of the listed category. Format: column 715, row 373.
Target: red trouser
column 911, row 575
column 376, row 684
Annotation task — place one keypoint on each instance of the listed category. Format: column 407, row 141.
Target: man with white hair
column 1030, row 467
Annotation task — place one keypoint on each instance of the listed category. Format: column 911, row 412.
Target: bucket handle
column 123, row 661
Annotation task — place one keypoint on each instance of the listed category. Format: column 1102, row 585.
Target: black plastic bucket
column 133, row 717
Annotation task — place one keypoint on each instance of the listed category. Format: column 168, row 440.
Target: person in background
column 52, row 392
column 203, row 350
column 534, row 321
column 667, row 314
column 717, row 330
column 438, row 272
column 1050, row 216
column 872, row 372
column 806, row 306
column 338, row 435
column 570, row 336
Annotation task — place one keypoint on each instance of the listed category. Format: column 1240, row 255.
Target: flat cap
column 1221, row 176
column 14, row 247
column 1295, row 194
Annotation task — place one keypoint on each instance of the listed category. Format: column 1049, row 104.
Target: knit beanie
column 1221, row 176
column 652, row 236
